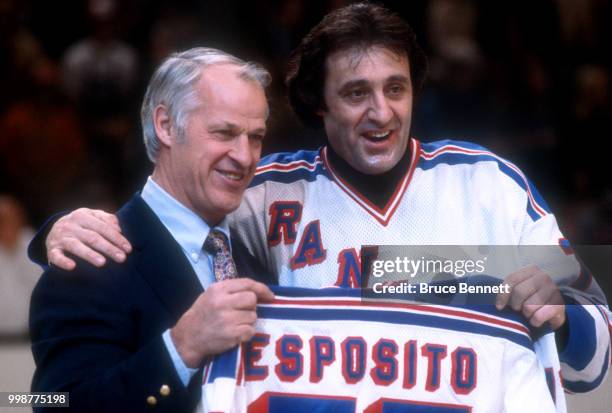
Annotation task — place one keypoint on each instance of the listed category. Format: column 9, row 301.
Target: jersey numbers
column 273, row 402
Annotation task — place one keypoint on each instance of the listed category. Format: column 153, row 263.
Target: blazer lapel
column 158, row 258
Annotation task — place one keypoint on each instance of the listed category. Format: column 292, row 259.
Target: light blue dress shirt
column 190, row 232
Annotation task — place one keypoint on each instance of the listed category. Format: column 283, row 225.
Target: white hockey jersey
column 329, row 350
column 307, row 225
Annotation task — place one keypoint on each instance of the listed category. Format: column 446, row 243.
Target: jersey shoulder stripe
column 453, row 152
column 288, row 167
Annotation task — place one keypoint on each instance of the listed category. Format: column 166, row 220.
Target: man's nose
column 241, row 151
column 380, row 110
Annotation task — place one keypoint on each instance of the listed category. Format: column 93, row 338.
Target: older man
column 131, row 336
column 306, row 214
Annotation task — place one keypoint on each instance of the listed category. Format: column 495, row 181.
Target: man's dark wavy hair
column 358, row 25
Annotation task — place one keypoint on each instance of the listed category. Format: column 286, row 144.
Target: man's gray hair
column 172, row 85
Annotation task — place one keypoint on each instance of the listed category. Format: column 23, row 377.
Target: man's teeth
column 378, row 135
column 232, row 176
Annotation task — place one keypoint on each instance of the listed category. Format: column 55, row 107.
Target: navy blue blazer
column 97, row 332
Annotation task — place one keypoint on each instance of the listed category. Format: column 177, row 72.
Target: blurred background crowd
column 529, row 79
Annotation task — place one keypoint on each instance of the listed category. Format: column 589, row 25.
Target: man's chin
column 228, row 204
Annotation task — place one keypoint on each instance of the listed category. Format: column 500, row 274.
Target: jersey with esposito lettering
column 329, row 350
column 306, row 225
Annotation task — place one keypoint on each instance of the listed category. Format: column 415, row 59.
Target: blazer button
column 164, row 390
column 151, row 401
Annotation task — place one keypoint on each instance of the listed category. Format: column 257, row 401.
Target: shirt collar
column 186, row 227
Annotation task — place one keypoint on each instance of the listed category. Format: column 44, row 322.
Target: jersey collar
column 382, row 215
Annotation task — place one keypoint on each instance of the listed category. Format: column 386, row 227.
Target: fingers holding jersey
column 554, row 314
column 527, row 290
column 221, row 318
column 261, row 291
column 511, row 281
column 535, row 295
column 88, row 234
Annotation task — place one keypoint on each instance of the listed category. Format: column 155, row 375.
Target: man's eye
column 356, row 94
column 395, row 90
column 224, row 133
column 256, row 137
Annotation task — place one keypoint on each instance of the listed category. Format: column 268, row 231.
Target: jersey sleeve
column 585, row 358
column 248, row 226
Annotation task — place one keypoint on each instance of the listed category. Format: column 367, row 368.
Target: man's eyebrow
column 398, row 78
column 355, row 83
column 234, row 127
column 224, row 125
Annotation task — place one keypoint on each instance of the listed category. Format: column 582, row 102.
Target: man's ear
column 163, row 125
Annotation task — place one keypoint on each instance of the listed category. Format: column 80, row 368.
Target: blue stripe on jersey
column 286, row 177
column 485, row 305
column 392, row 317
column 224, row 365
column 288, row 157
column 308, row 404
column 297, row 292
column 585, row 386
column 582, row 344
column 435, row 145
column 451, row 158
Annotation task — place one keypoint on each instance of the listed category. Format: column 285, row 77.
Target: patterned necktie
column 217, row 245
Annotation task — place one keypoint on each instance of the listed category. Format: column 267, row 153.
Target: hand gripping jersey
column 329, row 350
column 306, row 226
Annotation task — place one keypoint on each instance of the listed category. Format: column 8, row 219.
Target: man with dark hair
column 355, row 27
column 306, row 214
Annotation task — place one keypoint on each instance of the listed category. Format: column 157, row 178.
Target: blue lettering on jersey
column 252, row 354
column 284, row 217
column 349, row 269
column 463, row 370
column 387, row 356
column 434, row 353
column 310, row 251
column 322, row 353
column 410, row 364
column 291, row 360
column 385, row 364
column 353, row 359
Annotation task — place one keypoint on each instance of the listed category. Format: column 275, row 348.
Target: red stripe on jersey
column 287, row 167
column 423, row 308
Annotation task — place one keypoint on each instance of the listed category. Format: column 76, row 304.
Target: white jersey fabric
column 329, row 350
column 306, row 225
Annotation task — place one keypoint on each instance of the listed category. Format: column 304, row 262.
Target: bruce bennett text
column 425, row 288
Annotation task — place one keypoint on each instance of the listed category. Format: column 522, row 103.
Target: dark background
column 528, row 79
